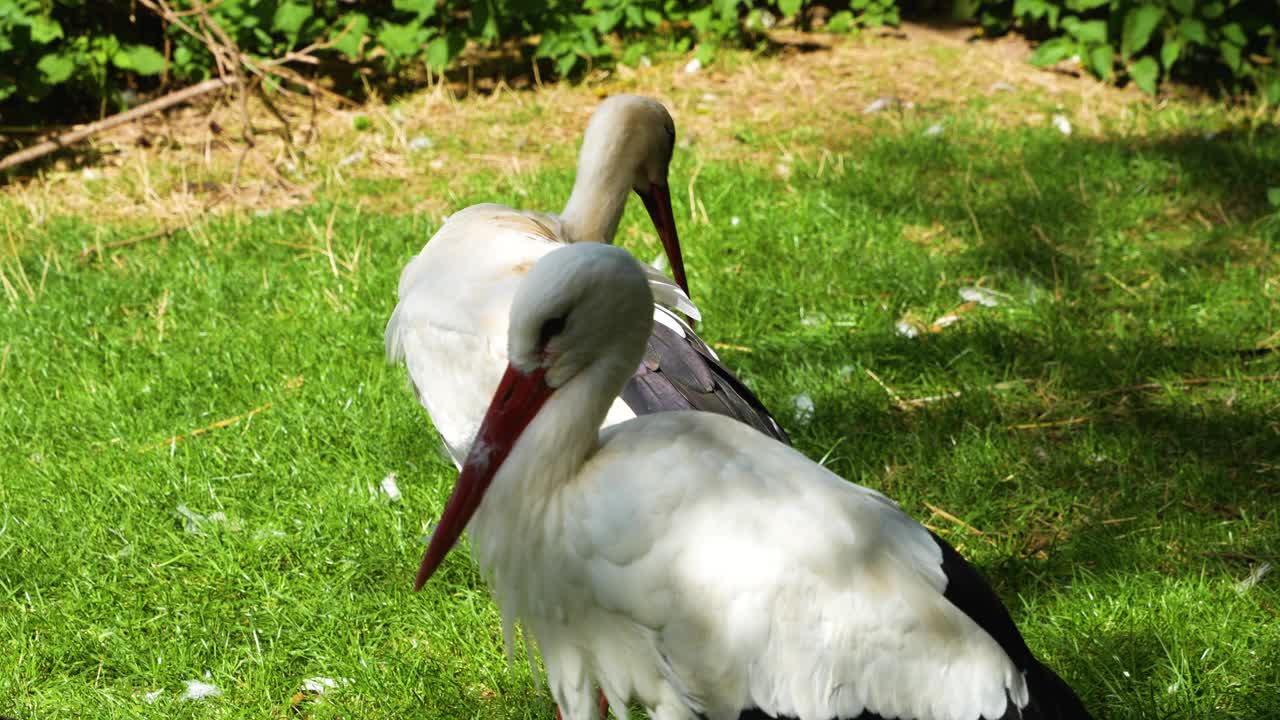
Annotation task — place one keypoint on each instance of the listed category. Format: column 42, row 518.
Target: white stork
column 688, row 562
column 450, row 324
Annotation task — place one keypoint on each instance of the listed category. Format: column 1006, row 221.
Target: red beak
column 519, row 397
column 658, row 202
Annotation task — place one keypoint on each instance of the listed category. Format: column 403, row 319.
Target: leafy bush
column 64, row 51
column 1148, row 40
column 72, row 57
column 45, row 45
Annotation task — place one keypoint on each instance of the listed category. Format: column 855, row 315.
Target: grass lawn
column 194, row 430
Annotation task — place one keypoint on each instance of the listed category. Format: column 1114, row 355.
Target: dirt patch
column 816, row 93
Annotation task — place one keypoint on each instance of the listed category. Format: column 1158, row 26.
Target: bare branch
column 71, row 138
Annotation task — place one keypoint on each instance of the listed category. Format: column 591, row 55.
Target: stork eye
column 550, row 329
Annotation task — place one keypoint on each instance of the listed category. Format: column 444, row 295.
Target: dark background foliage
column 71, row 59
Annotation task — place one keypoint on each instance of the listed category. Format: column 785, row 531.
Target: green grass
column 1116, row 521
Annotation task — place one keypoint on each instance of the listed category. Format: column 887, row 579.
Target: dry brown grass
column 174, row 169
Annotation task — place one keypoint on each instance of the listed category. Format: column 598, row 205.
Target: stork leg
column 603, row 706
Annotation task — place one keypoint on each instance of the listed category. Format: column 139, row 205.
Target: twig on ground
column 952, row 518
column 207, row 428
column 292, row 384
column 39, row 150
column 897, row 399
column 1118, row 521
column 913, row 403
column 160, row 312
column 1054, row 423
column 1188, row 382
column 164, row 232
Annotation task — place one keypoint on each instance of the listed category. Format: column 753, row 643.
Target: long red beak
column 658, row 202
column 519, row 397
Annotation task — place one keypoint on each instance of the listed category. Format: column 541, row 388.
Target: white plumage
column 687, row 562
column 449, row 326
column 743, row 579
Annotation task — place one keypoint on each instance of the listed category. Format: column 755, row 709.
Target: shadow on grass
column 1041, row 206
column 1234, row 448
column 1135, row 480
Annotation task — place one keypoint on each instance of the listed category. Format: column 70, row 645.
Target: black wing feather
column 1051, row 697
column 678, row 373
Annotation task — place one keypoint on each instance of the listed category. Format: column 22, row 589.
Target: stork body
column 688, row 562
column 449, row 326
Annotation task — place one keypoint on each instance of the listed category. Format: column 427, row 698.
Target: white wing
column 450, row 325
column 772, row 583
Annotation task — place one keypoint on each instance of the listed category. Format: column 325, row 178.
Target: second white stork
column 689, row 563
column 449, row 326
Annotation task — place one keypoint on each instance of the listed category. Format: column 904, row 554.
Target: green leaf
column 1235, row 34
column 1184, row 7
column 1193, row 30
column 965, row 9
column 789, row 8
column 1033, row 9
column 45, row 30
column 290, row 16
column 1053, row 51
column 1091, row 31
column 1273, row 196
column 841, row 22
column 700, row 19
column 1170, row 51
column 1272, row 89
column 1101, row 59
column 484, row 24
column 1231, row 54
column 606, row 20
column 141, row 59
column 422, row 8
column 55, row 68
column 632, row 54
column 350, row 31
column 1139, row 24
column 565, row 63
column 705, row 53
column 442, row 50
column 401, row 41
column 438, row 53
column 1212, row 11
column 1083, row 5
column 1145, row 73
column 727, row 7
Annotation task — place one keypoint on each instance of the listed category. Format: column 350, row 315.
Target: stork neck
column 596, row 204
column 554, row 447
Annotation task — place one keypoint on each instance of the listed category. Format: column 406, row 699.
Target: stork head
column 580, row 306
column 631, row 139
column 580, row 320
